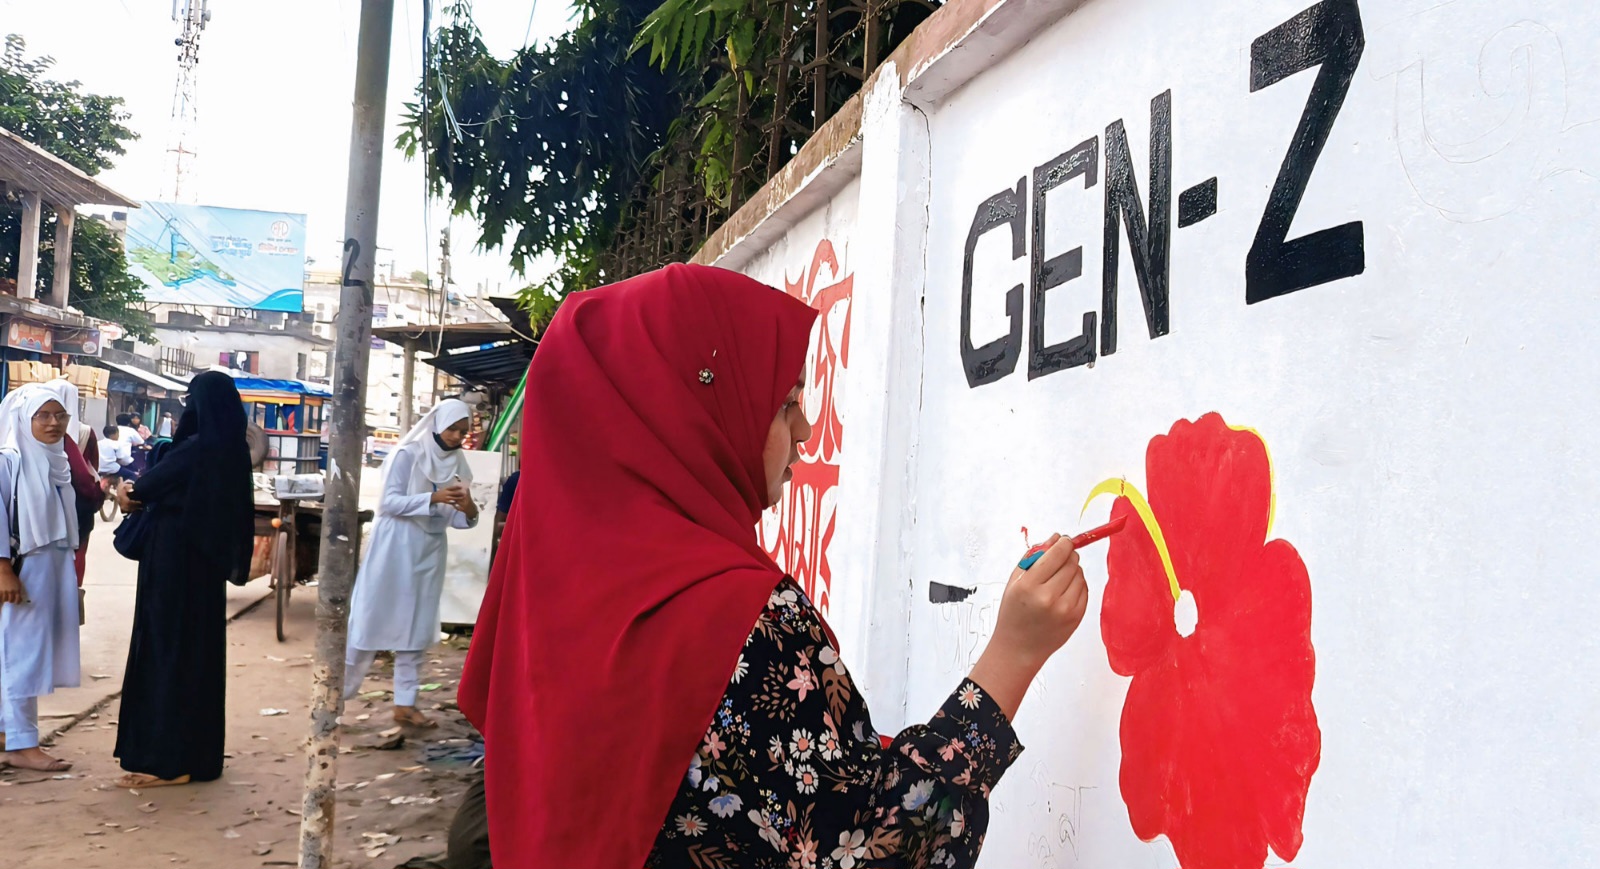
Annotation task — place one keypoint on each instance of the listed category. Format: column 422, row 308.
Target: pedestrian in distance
column 83, row 452
column 38, row 580
column 395, row 605
column 170, row 730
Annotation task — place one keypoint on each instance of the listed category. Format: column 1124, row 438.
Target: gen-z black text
column 1328, row 37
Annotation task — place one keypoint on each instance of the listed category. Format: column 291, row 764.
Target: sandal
column 40, row 762
column 143, row 780
column 410, row 716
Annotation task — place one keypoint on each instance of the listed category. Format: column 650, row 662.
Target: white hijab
column 433, row 465
column 45, row 504
column 67, row 394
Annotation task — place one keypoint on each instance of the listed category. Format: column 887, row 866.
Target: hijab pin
column 706, row 374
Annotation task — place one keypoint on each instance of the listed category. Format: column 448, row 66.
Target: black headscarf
column 220, row 508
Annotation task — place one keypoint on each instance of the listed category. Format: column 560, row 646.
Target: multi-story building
column 396, row 301
column 264, row 343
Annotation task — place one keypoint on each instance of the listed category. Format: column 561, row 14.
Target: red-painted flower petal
column 1211, row 488
column 1219, row 737
column 1136, row 616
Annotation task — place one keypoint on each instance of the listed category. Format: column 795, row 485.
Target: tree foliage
column 624, row 143
column 88, row 131
column 543, row 149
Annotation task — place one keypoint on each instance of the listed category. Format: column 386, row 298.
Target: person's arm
column 466, row 515
column 792, row 767
column 168, row 480
column 11, row 590
column 502, row 508
column 1040, row 610
column 396, row 500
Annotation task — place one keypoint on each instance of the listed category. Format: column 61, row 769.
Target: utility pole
column 444, row 275
column 341, row 524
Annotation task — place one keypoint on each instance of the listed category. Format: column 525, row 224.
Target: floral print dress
column 791, row 774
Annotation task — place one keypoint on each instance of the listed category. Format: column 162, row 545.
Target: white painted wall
column 466, row 575
column 1429, row 419
column 814, row 261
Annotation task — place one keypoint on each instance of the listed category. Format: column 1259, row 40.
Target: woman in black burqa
column 170, row 730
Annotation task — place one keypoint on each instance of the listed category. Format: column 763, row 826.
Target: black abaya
column 172, row 718
column 171, row 723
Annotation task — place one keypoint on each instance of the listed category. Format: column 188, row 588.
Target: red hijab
column 629, row 575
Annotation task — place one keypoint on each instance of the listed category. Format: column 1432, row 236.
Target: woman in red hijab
column 652, row 690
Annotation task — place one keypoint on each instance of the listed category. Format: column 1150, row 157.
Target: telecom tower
column 191, row 17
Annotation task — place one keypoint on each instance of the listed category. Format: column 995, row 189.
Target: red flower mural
column 799, row 534
column 1219, row 737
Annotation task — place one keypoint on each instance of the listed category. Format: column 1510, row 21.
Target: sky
column 275, row 83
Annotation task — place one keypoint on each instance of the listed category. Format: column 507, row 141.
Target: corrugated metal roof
column 496, row 365
column 26, row 166
column 452, row 336
column 141, row 374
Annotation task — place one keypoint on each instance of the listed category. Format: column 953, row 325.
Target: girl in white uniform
column 396, row 601
column 39, row 603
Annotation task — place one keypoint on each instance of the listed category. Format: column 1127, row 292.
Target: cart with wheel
column 289, row 537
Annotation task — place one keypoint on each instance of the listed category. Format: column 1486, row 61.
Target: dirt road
column 394, row 804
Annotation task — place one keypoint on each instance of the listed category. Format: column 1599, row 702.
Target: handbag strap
column 16, row 526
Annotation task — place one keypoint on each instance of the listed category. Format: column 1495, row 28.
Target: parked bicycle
column 108, row 508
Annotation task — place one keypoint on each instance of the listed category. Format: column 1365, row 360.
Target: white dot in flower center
column 1185, row 615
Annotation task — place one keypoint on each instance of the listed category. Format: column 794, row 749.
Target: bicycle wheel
column 282, row 577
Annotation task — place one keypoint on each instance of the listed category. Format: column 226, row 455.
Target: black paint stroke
column 1197, row 203
column 1328, row 35
column 998, row 358
column 1149, row 242
column 938, row 592
column 352, row 252
column 1049, row 273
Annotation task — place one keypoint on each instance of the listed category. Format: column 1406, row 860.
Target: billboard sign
column 218, row 257
column 22, row 335
column 78, row 342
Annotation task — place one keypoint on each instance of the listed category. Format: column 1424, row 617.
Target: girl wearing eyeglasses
column 38, row 580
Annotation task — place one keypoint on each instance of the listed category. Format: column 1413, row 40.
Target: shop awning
column 293, row 387
column 26, row 166
column 155, row 380
column 501, row 364
column 444, row 338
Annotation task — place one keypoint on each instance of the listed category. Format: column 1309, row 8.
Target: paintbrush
column 1093, row 535
column 939, row 592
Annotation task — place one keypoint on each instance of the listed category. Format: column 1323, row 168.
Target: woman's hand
column 1039, row 612
column 461, row 499
column 451, row 494
column 11, row 590
column 125, row 501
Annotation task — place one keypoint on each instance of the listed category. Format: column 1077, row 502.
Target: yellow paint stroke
column 1272, row 504
column 1121, row 489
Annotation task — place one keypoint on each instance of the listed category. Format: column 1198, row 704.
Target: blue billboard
column 218, row 257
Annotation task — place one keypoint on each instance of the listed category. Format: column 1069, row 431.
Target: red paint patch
column 1219, row 737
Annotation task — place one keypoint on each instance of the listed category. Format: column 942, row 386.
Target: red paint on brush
column 1091, row 536
column 1101, row 533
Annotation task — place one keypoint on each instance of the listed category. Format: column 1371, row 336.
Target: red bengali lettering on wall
column 799, row 530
